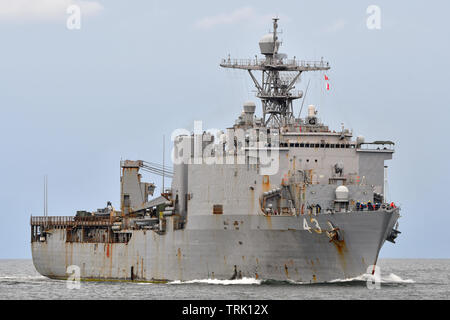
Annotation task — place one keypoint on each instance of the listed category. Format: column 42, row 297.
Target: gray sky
column 74, row 102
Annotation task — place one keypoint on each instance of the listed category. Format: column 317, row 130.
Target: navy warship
column 275, row 197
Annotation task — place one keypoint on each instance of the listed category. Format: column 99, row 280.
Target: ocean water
column 400, row 279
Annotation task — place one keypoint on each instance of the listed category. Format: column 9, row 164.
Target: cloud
column 244, row 14
column 44, row 10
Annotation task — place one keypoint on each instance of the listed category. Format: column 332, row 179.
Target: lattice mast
column 275, row 90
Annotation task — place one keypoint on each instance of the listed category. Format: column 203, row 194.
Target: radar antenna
column 276, row 93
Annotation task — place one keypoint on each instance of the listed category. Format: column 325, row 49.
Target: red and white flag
column 327, row 85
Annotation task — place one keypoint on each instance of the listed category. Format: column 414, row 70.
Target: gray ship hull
column 228, row 246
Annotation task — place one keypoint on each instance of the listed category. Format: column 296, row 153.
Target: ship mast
column 274, row 90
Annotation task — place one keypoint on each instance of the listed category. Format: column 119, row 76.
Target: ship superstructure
column 277, row 197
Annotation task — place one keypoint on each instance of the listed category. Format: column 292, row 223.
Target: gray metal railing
column 70, row 221
column 371, row 146
column 276, row 62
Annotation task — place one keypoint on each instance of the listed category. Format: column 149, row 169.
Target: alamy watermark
column 374, row 280
column 373, row 21
column 251, row 146
column 73, row 22
column 73, row 281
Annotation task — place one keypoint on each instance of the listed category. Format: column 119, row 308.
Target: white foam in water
column 222, row 282
column 391, row 278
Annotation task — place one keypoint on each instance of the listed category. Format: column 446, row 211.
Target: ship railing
column 276, row 62
column 368, row 146
column 292, row 93
column 375, row 207
column 363, row 208
column 70, row 221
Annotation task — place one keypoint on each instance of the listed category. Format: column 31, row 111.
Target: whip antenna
column 303, row 101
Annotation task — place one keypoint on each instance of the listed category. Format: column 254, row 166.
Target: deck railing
column 70, row 221
column 284, row 62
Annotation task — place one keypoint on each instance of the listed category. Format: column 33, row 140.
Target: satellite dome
column 342, row 193
column 359, row 140
column 311, row 111
column 266, row 44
